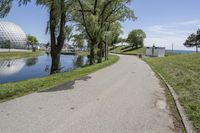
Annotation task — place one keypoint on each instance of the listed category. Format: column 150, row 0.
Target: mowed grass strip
column 17, row 55
column 16, row 89
column 183, row 73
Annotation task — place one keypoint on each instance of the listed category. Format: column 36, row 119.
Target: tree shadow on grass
column 124, row 48
column 131, row 49
column 65, row 86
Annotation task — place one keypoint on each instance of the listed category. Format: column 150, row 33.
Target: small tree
column 193, row 40
column 136, row 38
column 32, row 40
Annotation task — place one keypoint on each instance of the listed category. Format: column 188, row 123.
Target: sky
column 164, row 21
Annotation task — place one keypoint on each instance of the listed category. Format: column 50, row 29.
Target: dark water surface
column 22, row 69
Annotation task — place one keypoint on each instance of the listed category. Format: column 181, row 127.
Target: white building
column 121, row 44
column 155, row 51
column 12, row 33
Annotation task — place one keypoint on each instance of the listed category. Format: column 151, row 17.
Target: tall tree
column 193, row 40
column 59, row 15
column 95, row 18
column 136, row 38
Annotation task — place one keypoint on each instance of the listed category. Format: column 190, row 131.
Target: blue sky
column 164, row 21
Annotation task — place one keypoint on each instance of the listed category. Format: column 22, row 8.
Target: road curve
column 123, row 98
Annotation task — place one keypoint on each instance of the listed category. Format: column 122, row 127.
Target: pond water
column 22, row 69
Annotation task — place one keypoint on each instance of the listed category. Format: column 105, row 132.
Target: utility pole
column 172, row 47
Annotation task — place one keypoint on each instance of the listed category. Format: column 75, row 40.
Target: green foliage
column 182, row 72
column 32, row 39
column 97, row 17
column 78, row 40
column 136, row 38
column 115, row 31
column 193, row 40
column 5, row 6
column 12, row 90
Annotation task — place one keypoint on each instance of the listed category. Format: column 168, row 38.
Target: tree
column 94, row 18
column 114, row 34
column 193, row 40
column 78, row 40
column 32, row 40
column 59, row 15
column 136, row 38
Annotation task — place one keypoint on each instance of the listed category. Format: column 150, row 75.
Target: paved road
column 123, row 98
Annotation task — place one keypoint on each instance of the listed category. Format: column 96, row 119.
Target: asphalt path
column 123, row 98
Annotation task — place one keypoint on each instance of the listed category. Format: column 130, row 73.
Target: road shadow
column 65, row 86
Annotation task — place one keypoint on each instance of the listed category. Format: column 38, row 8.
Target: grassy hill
column 183, row 73
column 127, row 50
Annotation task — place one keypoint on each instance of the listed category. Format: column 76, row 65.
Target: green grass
column 182, row 72
column 135, row 52
column 12, row 90
column 127, row 50
column 17, row 55
column 84, row 53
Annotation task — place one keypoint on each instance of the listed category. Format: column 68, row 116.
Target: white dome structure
column 13, row 33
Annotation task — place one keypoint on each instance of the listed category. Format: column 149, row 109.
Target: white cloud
column 166, row 34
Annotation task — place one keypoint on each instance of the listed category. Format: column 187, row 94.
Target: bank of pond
column 36, row 67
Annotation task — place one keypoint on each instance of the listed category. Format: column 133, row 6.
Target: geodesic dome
column 13, row 33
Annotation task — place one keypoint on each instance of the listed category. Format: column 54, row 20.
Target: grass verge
column 17, row 55
column 12, row 90
column 182, row 72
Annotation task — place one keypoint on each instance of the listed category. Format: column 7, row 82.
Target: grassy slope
column 183, row 73
column 127, row 50
column 12, row 90
column 84, row 53
column 16, row 55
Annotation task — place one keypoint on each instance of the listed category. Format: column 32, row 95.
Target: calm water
column 21, row 69
column 181, row 51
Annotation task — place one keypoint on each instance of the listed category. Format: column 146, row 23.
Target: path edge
column 186, row 122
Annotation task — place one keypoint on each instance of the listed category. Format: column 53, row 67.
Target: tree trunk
column 55, row 58
column 92, row 54
column 56, row 47
column 99, row 54
column 196, row 48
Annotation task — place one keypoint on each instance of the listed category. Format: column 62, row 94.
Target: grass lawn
column 183, row 73
column 84, row 53
column 17, row 55
column 12, row 90
column 127, row 50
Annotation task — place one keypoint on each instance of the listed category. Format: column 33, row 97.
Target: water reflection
column 11, row 67
column 22, row 69
column 31, row 61
column 79, row 61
